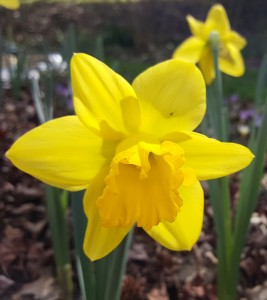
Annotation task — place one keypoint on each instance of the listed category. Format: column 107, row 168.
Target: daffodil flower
column 132, row 148
column 10, row 4
column 198, row 50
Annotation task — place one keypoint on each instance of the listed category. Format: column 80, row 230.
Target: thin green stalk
column 215, row 122
column 216, row 202
column 49, row 95
column 219, row 189
column 57, row 202
column 219, row 197
column 114, row 266
column 219, row 107
column 86, row 270
column 99, row 280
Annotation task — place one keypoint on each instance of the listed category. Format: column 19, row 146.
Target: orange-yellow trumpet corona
column 132, row 148
column 197, row 48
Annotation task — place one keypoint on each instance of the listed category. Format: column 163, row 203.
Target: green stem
column 219, row 197
column 219, row 189
column 86, row 269
column 49, row 95
column 99, row 280
column 56, row 210
column 114, row 267
column 220, row 110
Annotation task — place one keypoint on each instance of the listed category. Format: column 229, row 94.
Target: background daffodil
column 197, row 48
column 132, row 148
column 11, row 4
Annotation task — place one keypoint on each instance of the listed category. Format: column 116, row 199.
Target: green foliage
column 57, row 204
column 130, row 68
column 119, row 36
column 231, row 236
column 99, row 280
column 243, row 86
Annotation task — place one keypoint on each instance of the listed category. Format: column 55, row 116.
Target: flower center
column 142, row 186
column 225, row 54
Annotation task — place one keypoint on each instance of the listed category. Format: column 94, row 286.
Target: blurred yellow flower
column 132, row 148
column 11, row 4
column 197, row 48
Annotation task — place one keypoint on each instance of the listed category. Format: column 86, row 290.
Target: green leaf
column 99, row 280
column 56, row 201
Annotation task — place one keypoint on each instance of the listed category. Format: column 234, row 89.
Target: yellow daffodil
column 11, row 4
column 132, row 148
column 197, row 48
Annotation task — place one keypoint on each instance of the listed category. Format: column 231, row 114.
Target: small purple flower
column 69, row 102
column 233, row 99
column 246, row 114
column 65, row 91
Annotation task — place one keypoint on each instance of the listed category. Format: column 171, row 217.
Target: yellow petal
column 197, row 27
column 206, row 65
column 236, row 39
column 99, row 240
column 191, row 49
column 183, row 233
column 231, row 61
column 11, row 4
column 99, row 96
column 217, row 19
column 172, row 97
column 62, row 152
column 213, row 159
